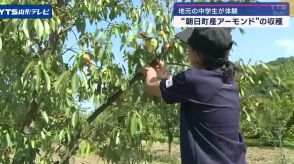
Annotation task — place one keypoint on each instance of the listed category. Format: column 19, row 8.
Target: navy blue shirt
column 209, row 117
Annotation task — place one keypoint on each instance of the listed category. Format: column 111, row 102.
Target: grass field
column 255, row 155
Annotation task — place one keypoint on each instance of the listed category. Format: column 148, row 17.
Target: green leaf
column 68, row 135
column 69, row 103
column 101, row 53
column 75, row 82
column 142, row 62
column 133, row 127
column 84, row 80
column 242, row 93
column 60, row 79
column 116, row 32
column 82, row 147
column 74, row 119
column 251, row 80
column 25, row 28
column 140, row 124
column 124, row 85
column 181, row 49
column 43, row 135
column 53, row 24
column 112, row 15
column 8, row 140
column 248, row 116
column 265, row 66
column 45, row 116
column 251, row 69
column 81, row 25
column 33, row 144
column 26, row 72
column 39, row 27
column 117, row 81
column 271, row 94
column 88, row 147
column 103, row 36
column 0, row 44
column 46, row 30
column 47, row 78
column 117, row 138
column 279, row 80
column 61, row 134
column 38, row 78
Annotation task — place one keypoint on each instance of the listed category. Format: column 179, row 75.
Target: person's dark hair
column 213, row 57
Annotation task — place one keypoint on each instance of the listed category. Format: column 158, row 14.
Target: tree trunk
column 170, row 142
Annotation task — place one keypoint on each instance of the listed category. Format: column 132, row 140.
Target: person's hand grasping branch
column 161, row 70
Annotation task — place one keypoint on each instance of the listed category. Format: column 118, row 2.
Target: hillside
column 283, row 66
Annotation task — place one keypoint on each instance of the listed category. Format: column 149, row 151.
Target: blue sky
column 263, row 44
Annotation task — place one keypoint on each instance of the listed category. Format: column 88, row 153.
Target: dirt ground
column 255, row 155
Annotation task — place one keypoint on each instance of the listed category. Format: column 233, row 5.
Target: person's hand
column 161, row 69
column 148, row 70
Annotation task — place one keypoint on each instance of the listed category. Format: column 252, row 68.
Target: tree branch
column 178, row 64
column 31, row 114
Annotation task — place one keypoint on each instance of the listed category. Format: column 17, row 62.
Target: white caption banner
column 231, row 21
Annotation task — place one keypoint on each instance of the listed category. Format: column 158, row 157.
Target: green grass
column 287, row 142
column 258, row 142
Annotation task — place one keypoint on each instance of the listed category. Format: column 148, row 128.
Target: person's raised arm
column 152, row 74
column 152, row 83
column 172, row 89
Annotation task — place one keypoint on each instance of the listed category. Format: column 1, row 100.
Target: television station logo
column 25, row 11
